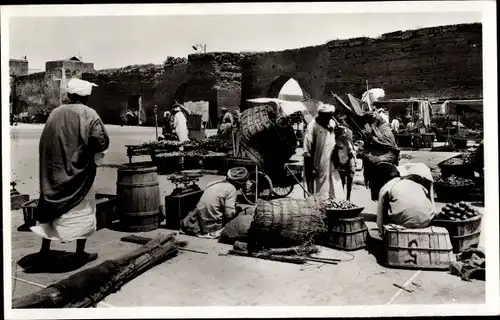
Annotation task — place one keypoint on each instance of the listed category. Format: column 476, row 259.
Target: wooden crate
column 463, row 233
column 346, row 233
column 177, row 206
column 17, row 200
column 29, row 213
column 105, row 210
column 194, row 121
column 427, row 248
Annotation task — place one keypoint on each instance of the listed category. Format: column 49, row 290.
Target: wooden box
column 177, row 206
column 105, row 210
column 17, row 200
column 194, row 121
column 346, row 233
column 29, row 214
column 463, row 234
column 427, row 248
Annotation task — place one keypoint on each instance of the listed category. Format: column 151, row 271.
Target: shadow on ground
column 59, row 262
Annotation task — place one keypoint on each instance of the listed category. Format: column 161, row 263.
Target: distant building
column 40, row 92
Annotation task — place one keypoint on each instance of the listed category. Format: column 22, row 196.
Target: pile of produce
column 455, row 181
column 459, row 211
column 454, row 162
column 331, row 204
column 197, row 148
column 405, row 156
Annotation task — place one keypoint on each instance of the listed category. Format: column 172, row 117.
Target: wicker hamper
column 286, row 222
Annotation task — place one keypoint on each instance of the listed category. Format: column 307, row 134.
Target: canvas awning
column 455, row 106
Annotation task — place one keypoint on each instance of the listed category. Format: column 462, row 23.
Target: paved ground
column 193, row 279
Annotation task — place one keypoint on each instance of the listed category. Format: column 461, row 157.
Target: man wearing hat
column 73, row 139
column 180, row 124
column 320, row 173
column 217, row 205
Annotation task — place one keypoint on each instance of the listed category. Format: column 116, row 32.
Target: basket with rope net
column 283, row 223
column 268, row 137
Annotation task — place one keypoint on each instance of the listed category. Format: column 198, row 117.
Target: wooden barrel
column 347, row 233
column 427, row 248
column 138, row 197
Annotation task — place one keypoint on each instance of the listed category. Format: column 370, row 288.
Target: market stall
column 461, row 121
column 408, row 110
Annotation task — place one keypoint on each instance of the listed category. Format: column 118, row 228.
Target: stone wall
column 216, row 78
column 441, row 62
column 18, row 67
column 173, row 83
column 35, row 94
column 154, row 84
column 117, row 87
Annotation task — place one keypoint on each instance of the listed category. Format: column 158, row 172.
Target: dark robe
column 73, row 134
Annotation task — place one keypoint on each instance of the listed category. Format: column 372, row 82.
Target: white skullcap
column 80, row 87
column 326, row 108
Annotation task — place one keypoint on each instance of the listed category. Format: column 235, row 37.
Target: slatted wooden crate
column 347, row 233
column 427, row 248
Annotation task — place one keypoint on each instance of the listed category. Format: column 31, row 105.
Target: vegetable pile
column 198, row 148
column 454, row 162
column 457, row 212
column 339, row 205
column 455, row 181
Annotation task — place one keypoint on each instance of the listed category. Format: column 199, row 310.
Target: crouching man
column 406, row 196
column 217, row 205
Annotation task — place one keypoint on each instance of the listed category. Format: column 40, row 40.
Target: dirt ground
column 194, row 279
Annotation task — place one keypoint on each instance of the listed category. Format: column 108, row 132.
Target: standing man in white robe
column 73, row 139
column 180, row 125
column 320, row 173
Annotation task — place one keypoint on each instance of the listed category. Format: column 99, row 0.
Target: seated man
column 405, row 201
column 217, row 205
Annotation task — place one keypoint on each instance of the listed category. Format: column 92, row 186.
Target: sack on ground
column 236, row 229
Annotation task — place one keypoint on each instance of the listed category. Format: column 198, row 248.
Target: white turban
column 418, row 169
column 80, row 87
column 238, row 175
column 326, row 108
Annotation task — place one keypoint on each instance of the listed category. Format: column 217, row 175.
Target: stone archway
column 286, row 88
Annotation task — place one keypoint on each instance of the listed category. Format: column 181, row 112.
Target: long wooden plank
column 50, row 297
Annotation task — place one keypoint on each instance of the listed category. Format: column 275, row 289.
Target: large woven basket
column 286, row 222
column 269, row 138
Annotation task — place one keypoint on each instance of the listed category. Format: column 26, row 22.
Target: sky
column 118, row 41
